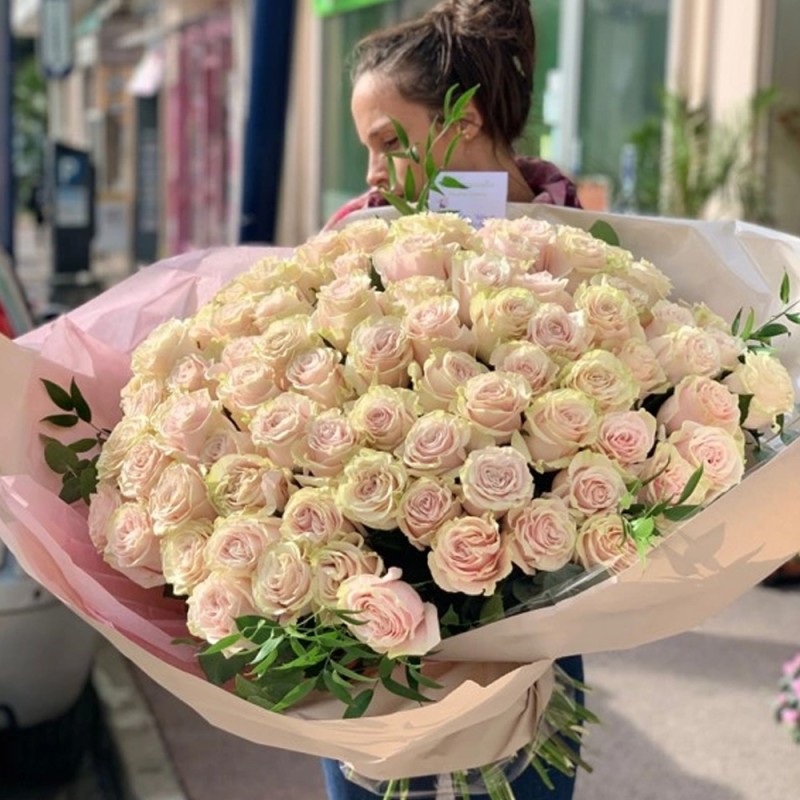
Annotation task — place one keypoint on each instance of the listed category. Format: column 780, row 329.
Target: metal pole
column 6, row 171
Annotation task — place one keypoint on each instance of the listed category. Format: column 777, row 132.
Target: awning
column 148, row 75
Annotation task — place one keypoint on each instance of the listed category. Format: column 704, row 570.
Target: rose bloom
column 469, row 555
column 163, row 347
column 336, row 561
column 718, row 452
column 545, row 287
column 645, row 276
column 243, row 350
column 356, row 262
column 330, row 441
column 105, row 501
column 245, row 387
column 322, row 248
column 401, row 296
column 700, row 399
column 602, row 541
column 434, row 323
column 141, row 467
column 365, row 234
column 245, row 481
column 189, row 374
column 184, row 422
column 643, row 364
column 318, row 374
column 286, row 337
column 179, row 496
column 687, row 351
column 767, row 380
column 666, row 316
column 474, row 272
column 558, row 424
column 341, row 305
column 183, row 555
column 123, row 436
column 591, row 484
column 528, row 360
column 237, row 541
column 282, row 582
column 522, row 239
column 379, row 352
column 132, row 546
column 370, row 489
column 233, row 318
column 279, row 423
column 141, row 396
column 603, row 377
column 272, row 272
column 626, row 436
column 283, row 301
column 576, row 251
column 500, row 316
column 442, row 374
column 384, row 415
column 558, row 332
column 495, row 479
column 666, row 474
column 225, row 441
column 391, row 617
column 436, row 444
column 215, row 604
column 426, row 505
column 610, row 315
column 541, row 535
column 494, row 403
column 312, row 514
column 450, row 228
column 731, row 348
column 416, row 254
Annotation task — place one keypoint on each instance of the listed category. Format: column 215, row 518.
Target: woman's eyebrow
column 378, row 128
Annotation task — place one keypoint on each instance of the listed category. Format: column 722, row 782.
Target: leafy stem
column 762, row 336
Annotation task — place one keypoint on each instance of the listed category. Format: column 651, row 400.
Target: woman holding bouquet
column 403, row 73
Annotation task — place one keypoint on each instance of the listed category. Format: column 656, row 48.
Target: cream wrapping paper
column 496, row 679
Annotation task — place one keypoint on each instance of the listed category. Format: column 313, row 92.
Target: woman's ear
column 471, row 121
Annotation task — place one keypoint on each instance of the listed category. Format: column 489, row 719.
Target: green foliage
column 603, row 231
column 413, row 198
column 78, row 470
column 760, row 338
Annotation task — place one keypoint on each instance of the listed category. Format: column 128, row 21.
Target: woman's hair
column 490, row 43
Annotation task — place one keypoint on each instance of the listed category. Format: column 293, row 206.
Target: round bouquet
column 358, row 455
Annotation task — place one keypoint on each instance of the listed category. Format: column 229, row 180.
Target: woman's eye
column 390, row 144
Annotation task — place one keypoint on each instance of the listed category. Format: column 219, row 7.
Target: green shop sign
column 327, row 7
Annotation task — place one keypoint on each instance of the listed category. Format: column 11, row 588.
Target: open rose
column 286, row 337
column 434, row 323
column 687, row 351
column 383, row 416
column 541, row 535
column 436, row 444
column 700, row 399
column 124, row 435
column 391, row 617
column 399, row 297
column 666, row 474
column 474, row 272
column 105, row 501
column 312, row 514
column 237, row 541
column 449, row 228
column 610, row 315
column 336, row 561
column 245, row 481
column 245, row 387
column 546, row 288
column 442, row 373
column 185, row 421
column 317, row 373
column 494, row 403
column 179, row 495
column 627, row 437
column 500, row 316
column 521, row 239
column 766, row 379
column 365, row 234
column 183, row 555
column 591, row 484
column 416, row 254
column 528, row 360
column 379, row 352
column 279, row 423
column 189, row 374
column 602, row 541
column 578, row 253
column 603, row 377
column 163, row 347
column 495, row 479
column 370, row 489
column 330, row 441
column 142, row 467
column 426, row 505
column 215, row 604
column 224, row 442
column 666, row 316
column 558, row 424
column 132, row 546
column 283, row 301
column 560, row 333
column 643, row 364
column 141, row 396
column 469, row 555
column 282, row 582
column 341, row 305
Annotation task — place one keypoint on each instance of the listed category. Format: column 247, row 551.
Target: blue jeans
column 528, row 786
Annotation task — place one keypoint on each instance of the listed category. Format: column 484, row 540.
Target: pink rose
column 426, row 505
column 245, row 387
column 183, row 555
column 215, row 604
column 474, row 272
column 591, row 484
column 355, row 262
column 442, row 373
column 282, row 582
column 528, row 360
column 237, row 541
column 365, row 234
column 667, row 472
column 603, row 377
column 391, row 616
column 383, row 416
column 370, row 488
column 541, row 535
column 521, row 239
column 436, row 444
column 602, row 541
column 279, row 423
column 765, row 378
column 283, row 301
column 495, row 479
column 341, row 305
column 225, row 442
column 610, row 315
column 312, row 514
column 284, row 338
column 142, row 467
column 469, row 555
column 700, row 399
column 185, row 421
column 336, row 561
column 434, row 323
column 558, row 332
column 666, row 316
column 179, row 495
column 577, row 251
column 163, row 347
column 416, row 254
column 627, row 436
column 188, row 374
column 105, row 501
column 318, row 374
column 687, row 351
column 379, row 352
column 494, row 403
column 141, row 396
column 330, row 441
column 132, row 546
column 500, row 316
column 558, row 424
column 546, row 288
column 248, row 482
column 643, row 364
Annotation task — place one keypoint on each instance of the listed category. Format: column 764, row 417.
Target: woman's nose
column 377, row 174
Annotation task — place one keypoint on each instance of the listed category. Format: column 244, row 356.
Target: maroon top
column 547, row 182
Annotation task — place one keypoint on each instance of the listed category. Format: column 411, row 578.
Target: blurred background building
column 216, row 121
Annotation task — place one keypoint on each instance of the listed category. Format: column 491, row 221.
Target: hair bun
column 492, row 19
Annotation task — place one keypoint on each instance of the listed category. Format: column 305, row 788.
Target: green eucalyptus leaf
column 744, row 407
column 785, row 290
column 449, row 182
column 603, row 231
column 219, row 669
column 71, row 490
column 359, row 704
column 83, row 445
column 403, row 206
column 295, row 695
column 748, row 324
column 409, row 186
column 691, row 485
column 737, row 321
column 81, row 406
column 58, row 395
column 338, row 689
column 403, row 691
column 88, row 482
column 59, row 457
column 680, row 513
column 61, row 420
column 772, row 329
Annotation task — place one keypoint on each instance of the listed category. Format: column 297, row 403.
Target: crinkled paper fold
column 496, row 679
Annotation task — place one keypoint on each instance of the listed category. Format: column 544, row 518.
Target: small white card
column 483, row 197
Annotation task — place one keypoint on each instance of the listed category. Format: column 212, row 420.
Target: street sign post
column 55, row 38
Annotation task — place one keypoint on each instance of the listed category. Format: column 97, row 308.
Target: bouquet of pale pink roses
column 356, row 456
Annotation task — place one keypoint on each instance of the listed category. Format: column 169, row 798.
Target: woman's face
column 375, row 102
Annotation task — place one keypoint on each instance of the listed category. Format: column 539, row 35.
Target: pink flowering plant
column 407, row 429
column 787, row 707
